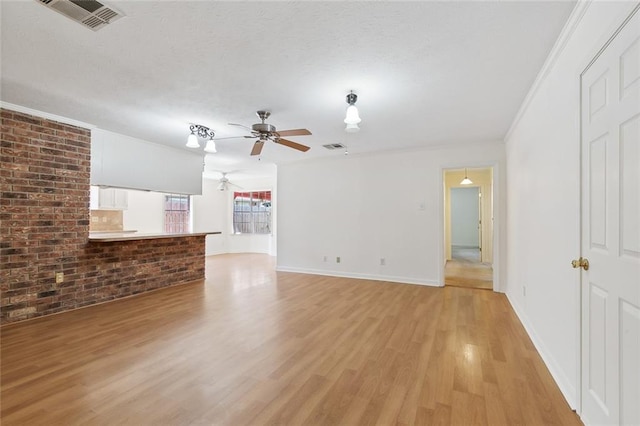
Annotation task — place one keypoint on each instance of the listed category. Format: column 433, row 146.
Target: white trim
column 342, row 274
column 497, row 218
column 563, row 382
column 565, row 35
column 46, row 115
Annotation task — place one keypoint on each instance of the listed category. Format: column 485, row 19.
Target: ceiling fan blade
column 292, row 144
column 240, row 125
column 294, row 132
column 257, row 147
column 233, row 184
column 232, row 137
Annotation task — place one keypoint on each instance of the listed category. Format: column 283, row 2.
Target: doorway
column 466, row 243
column 468, row 228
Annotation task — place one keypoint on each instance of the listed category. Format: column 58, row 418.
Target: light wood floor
column 463, row 273
column 251, row 346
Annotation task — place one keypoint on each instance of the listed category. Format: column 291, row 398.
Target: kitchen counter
column 102, row 237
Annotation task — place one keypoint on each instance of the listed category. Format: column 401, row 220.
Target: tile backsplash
column 106, row 220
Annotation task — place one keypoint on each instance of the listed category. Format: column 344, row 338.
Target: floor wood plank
column 252, row 346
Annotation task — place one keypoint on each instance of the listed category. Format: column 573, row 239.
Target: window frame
column 185, row 225
column 252, row 222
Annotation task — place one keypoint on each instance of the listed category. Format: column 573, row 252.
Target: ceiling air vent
column 90, row 13
column 334, row 146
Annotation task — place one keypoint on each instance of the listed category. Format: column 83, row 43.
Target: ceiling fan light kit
column 353, row 117
column 262, row 131
column 198, row 131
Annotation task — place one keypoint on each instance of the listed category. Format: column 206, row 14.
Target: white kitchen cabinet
column 109, row 198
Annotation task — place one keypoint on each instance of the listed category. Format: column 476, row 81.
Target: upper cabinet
column 109, row 199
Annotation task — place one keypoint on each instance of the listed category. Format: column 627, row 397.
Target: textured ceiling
column 426, row 73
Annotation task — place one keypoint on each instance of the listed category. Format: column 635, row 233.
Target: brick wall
column 44, row 228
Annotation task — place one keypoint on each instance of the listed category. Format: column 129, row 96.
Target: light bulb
column 352, row 115
column 466, row 180
column 352, row 128
column 192, row 141
column 211, row 146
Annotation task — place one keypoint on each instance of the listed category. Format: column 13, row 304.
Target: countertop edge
column 106, row 238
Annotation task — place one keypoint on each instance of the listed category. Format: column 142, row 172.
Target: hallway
column 466, row 270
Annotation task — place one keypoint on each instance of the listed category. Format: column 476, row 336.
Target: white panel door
column 611, row 232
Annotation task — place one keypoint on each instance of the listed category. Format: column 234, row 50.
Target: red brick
column 44, row 205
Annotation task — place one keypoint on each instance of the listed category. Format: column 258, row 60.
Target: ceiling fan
column 223, row 183
column 267, row 132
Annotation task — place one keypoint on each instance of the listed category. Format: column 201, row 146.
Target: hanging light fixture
column 211, row 146
column 192, row 140
column 198, row 131
column 466, row 180
column 352, row 118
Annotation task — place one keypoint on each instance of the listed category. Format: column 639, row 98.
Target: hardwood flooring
column 250, row 346
column 463, row 273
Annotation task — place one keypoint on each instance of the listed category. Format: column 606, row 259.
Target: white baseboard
column 343, row 274
column 567, row 388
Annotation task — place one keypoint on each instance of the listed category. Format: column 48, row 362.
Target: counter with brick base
column 132, row 236
column 44, row 210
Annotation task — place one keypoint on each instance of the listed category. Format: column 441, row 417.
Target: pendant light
column 353, row 117
column 466, row 180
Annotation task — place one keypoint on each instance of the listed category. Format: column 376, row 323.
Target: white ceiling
column 426, row 73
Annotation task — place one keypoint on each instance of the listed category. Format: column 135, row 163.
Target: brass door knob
column 580, row 263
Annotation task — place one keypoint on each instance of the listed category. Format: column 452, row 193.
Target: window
column 252, row 212
column 176, row 213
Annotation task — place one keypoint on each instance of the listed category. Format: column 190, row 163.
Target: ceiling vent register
column 90, row 13
column 334, row 146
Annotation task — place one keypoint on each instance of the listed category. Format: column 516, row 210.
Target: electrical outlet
column 383, row 261
column 59, row 277
column 338, row 259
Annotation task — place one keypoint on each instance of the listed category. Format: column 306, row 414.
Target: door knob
column 580, row 263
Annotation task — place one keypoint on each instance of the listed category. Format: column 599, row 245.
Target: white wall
column 465, row 217
column 543, row 157
column 212, row 211
column 125, row 162
column 145, row 211
column 363, row 208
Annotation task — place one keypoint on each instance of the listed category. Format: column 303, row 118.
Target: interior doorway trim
column 496, row 206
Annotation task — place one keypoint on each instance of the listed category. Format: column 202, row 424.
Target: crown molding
column 565, row 35
column 48, row 116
